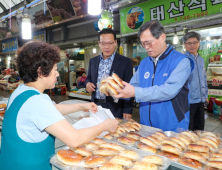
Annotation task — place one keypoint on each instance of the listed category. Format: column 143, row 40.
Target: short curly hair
column 34, row 55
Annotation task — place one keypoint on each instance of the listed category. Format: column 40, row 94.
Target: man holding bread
column 107, row 63
column 161, row 82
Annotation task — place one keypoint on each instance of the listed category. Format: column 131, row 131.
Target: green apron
column 17, row 154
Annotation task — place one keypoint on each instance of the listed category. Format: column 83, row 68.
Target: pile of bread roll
column 188, row 148
column 102, row 155
column 111, row 84
column 124, row 133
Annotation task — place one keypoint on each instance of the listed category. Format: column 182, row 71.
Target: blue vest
column 166, row 115
column 17, row 154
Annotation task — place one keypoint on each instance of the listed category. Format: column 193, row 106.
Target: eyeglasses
column 194, row 43
column 146, row 43
column 105, row 44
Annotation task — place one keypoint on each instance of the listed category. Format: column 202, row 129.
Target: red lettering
column 202, row 13
column 175, row 19
column 181, row 18
column 194, row 15
column 198, row 14
column 206, row 12
column 184, row 17
column 188, row 16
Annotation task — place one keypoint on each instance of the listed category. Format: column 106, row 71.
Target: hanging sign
column 39, row 35
column 167, row 12
column 105, row 21
column 10, row 45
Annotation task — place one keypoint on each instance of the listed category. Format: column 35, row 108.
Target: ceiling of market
column 7, row 5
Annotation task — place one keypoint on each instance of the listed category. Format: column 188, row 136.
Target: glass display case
column 214, row 79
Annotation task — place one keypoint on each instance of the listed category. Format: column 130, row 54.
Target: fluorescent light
column 213, row 32
column 94, row 50
column 208, row 45
column 9, row 58
column 175, row 39
column 26, row 28
column 207, row 38
column 94, row 7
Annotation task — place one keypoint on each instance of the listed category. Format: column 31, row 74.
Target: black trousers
column 197, row 119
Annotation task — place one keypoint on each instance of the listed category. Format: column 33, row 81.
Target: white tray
column 55, row 162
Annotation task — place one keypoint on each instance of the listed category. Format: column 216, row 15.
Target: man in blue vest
column 161, row 82
column 197, row 81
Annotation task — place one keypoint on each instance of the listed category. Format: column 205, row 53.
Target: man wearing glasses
column 105, row 64
column 161, row 82
column 197, row 81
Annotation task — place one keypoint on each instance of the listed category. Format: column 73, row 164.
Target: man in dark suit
column 105, row 64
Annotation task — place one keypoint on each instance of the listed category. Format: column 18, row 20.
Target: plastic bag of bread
column 204, row 143
column 102, row 85
column 68, row 157
column 192, row 136
column 171, row 149
column 171, row 156
column 191, row 163
column 215, row 164
column 147, row 148
column 195, row 156
column 110, row 166
column 120, row 160
column 109, row 84
column 82, row 151
column 214, row 134
column 130, row 154
column 93, row 161
column 179, row 142
column 198, row 148
column 154, row 159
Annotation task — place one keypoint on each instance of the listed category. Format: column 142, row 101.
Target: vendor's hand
column 111, row 125
column 127, row 116
column 207, row 100
column 127, row 92
column 89, row 106
column 90, row 87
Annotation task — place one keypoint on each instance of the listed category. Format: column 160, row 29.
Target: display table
column 80, row 95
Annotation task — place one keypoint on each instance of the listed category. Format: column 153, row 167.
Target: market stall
column 130, row 149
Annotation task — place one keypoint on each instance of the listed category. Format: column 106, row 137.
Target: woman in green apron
column 32, row 121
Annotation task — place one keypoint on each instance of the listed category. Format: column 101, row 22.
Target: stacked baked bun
column 124, row 132
column 102, row 155
column 111, row 84
column 188, row 148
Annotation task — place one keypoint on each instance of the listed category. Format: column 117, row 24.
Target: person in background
column 105, row 64
column 32, row 121
column 81, row 82
column 161, row 82
column 197, row 81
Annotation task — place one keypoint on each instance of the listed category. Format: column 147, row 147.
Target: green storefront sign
column 167, row 12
